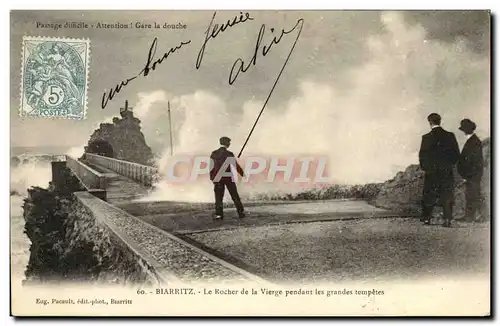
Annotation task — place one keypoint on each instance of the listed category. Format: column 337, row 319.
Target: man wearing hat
column 438, row 154
column 222, row 159
column 470, row 167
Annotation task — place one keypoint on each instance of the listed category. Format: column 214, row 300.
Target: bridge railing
column 91, row 179
column 141, row 173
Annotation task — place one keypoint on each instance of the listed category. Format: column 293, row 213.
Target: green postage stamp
column 54, row 77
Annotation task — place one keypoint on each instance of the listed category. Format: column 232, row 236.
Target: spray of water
column 28, row 174
column 368, row 133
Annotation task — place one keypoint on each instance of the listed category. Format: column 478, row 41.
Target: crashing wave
column 34, row 159
column 29, row 170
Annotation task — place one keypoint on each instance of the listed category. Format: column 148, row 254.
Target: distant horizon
column 16, row 150
column 48, row 150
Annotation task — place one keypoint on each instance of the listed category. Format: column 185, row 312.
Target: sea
column 32, row 170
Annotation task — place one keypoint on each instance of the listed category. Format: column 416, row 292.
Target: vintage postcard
column 250, row 163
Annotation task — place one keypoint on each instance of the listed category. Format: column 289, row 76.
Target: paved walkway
column 201, row 220
column 364, row 249
column 163, row 250
column 120, row 189
column 184, row 217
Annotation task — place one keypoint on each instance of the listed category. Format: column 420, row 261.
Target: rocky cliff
column 121, row 139
column 403, row 193
column 68, row 243
column 45, row 215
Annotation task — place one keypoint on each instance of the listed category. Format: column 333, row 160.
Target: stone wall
column 116, row 260
column 89, row 177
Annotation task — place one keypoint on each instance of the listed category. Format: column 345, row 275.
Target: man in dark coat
column 438, row 153
column 222, row 177
column 470, row 167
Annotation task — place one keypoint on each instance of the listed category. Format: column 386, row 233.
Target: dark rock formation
column 45, row 215
column 486, row 184
column 68, row 244
column 121, row 139
column 100, row 147
column 403, row 193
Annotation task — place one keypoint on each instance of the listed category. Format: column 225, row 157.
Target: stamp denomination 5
column 54, row 77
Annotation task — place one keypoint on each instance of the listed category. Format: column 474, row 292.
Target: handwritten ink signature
column 240, row 64
column 240, row 67
column 151, row 64
column 212, row 32
column 218, row 29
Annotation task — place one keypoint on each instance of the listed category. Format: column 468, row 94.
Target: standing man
column 222, row 177
column 438, row 153
column 470, row 167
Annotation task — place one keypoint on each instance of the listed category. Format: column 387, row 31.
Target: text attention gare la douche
column 115, row 25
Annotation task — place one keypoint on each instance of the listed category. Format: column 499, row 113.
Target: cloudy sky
column 358, row 85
